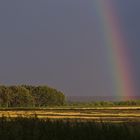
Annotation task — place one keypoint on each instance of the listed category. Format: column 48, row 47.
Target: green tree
column 20, row 97
column 4, row 96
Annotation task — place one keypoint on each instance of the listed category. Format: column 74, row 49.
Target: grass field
column 108, row 123
column 110, row 114
column 41, row 129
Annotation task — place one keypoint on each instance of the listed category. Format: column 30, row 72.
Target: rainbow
column 117, row 52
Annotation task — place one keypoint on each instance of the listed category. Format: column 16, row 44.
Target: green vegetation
column 104, row 103
column 30, row 96
column 68, row 120
column 44, row 96
column 37, row 129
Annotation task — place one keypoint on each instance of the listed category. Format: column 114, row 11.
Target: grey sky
column 56, row 42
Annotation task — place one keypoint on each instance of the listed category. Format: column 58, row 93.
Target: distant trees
column 104, row 103
column 30, row 96
column 43, row 96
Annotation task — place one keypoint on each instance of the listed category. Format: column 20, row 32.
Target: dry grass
column 106, row 114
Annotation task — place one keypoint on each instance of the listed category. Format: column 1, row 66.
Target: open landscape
column 69, row 69
column 44, row 113
column 106, row 114
column 102, row 123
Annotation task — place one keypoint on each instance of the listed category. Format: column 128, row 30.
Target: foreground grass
column 38, row 129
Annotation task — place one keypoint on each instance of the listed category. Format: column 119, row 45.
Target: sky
column 57, row 43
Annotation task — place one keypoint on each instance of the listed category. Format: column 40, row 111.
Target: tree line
column 30, row 96
column 105, row 103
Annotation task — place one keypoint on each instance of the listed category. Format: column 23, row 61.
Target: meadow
column 43, row 113
column 40, row 129
column 65, row 123
column 106, row 114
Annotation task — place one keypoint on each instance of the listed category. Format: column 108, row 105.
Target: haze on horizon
column 58, row 43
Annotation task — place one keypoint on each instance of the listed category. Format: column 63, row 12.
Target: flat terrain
column 113, row 114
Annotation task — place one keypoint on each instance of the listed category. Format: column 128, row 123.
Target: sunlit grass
column 106, row 114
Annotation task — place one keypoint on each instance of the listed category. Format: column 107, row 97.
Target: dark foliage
column 105, row 103
column 30, row 96
column 35, row 129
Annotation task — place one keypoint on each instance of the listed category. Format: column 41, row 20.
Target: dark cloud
column 57, row 42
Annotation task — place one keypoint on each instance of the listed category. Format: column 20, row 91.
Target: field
column 40, row 129
column 106, row 114
column 109, row 123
